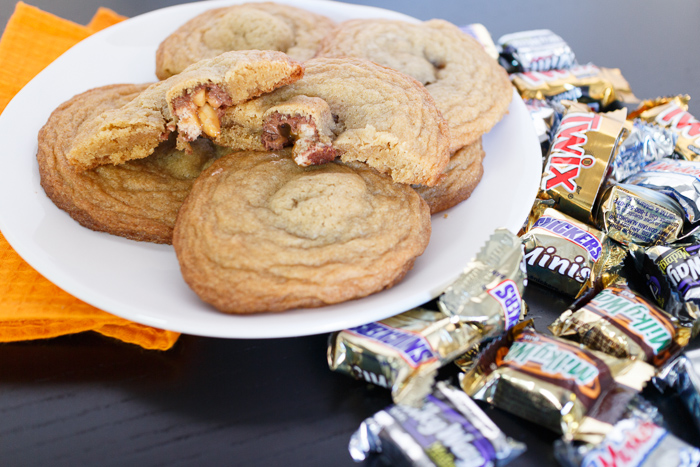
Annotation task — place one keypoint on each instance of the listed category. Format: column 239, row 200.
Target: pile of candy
column 619, row 206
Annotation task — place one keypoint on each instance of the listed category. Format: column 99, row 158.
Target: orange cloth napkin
column 31, row 307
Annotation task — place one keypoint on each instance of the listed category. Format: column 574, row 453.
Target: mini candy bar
column 489, row 291
column 634, row 214
column 672, row 113
column 560, row 251
column 556, row 383
column 633, row 442
column 683, row 375
column 679, row 179
column 623, row 324
column 405, row 351
column 577, row 165
column 448, row 429
column 479, row 32
column 537, row 50
column 672, row 274
column 589, row 84
column 644, row 143
column 542, row 115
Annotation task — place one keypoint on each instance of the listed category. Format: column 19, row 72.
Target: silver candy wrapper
column 679, row 179
column 536, row 50
column 448, row 429
column 645, row 143
column 683, row 375
column 489, row 291
column 405, row 351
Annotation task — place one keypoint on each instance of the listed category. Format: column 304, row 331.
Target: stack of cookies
column 291, row 161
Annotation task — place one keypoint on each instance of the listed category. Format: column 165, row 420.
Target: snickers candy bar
column 560, row 251
column 577, row 165
column 623, row 324
column 556, row 383
column 447, row 429
column 537, row 50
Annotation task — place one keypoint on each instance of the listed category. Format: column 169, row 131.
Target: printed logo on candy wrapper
column 628, row 445
column 507, row 294
column 413, row 348
column 539, row 78
column 567, row 156
column 571, row 232
column 679, row 120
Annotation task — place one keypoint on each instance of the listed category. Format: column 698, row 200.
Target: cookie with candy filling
column 250, row 26
column 469, row 87
column 138, row 199
column 259, row 233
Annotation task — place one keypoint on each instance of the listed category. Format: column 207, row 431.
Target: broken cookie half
column 191, row 103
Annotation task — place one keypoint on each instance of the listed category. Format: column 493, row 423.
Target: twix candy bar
column 672, row 113
column 577, row 165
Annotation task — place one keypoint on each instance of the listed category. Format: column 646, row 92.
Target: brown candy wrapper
column 623, row 324
column 404, row 352
column 577, row 165
column 672, row 113
column 601, row 85
column 558, row 384
column 634, row 214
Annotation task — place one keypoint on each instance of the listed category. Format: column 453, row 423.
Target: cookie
column 469, row 87
column 250, row 26
column 190, row 103
column 138, row 199
column 259, row 233
column 380, row 117
column 461, row 177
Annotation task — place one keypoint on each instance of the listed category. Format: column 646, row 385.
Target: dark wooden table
column 89, row 400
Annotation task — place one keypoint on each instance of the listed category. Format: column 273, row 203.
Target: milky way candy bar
column 672, row 113
column 560, row 251
column 597, row 87
column 536, row 50
column 556, row 383
column 634, row 214
column 577, row 165
column 448, row 429
column 623, row 324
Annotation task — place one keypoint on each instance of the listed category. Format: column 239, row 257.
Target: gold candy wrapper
column 672, row 113
column 639, row 215
column 603, row 85
column 577, row 165
column 560, row 252
column 624, row 324
column 556, row 383
column 404, row 352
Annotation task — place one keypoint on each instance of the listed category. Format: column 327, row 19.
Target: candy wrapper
column 536, row 50
column 634, row 214
column 624, row 324
column 553, row 382
column 672, row 113
column 588, row 84
column 577, row 166
column 635, row 441
column 644, row 143
column 405, row 351
column 564, row 254
column 683, row 375
column 448, row 429
column 679, row 179
column 672, row 275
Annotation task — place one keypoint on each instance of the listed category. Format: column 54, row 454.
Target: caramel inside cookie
column 259, row 233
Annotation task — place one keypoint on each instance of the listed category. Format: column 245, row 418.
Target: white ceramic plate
column 142, row 281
